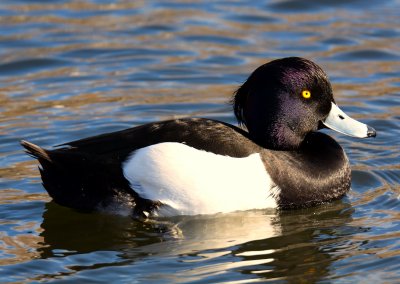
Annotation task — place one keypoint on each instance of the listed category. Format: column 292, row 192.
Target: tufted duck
column 277, row 158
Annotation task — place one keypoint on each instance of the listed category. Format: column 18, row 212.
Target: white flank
column 190, row 181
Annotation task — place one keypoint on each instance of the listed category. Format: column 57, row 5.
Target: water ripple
column 71, row 69
column 30, row 65
column 371, row 54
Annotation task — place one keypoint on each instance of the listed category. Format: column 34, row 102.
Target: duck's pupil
column 306, row 94
column 341, row 116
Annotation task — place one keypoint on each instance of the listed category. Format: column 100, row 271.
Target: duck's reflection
column 302, row 253
column 69, row 231
column 292, row 245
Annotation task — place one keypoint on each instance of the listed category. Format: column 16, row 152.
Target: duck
column 275, row 157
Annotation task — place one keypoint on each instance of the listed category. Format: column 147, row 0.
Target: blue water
column 71, row 69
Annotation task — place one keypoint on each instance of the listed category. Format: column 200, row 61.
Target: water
column 70, row 69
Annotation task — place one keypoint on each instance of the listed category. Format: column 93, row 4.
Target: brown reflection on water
column 184, row 39
column 21, row 248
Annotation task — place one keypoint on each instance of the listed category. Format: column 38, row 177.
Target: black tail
column 80, row 180
column 35, row 151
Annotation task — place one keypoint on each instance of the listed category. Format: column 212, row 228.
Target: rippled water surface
column 70, row 69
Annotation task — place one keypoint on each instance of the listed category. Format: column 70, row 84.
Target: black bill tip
column 371, row 132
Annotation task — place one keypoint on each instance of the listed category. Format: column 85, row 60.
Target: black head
column 282, row 101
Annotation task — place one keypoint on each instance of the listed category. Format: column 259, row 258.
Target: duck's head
column 284, row 100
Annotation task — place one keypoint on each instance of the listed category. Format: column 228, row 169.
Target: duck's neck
column 317, row 172
column 277, row 138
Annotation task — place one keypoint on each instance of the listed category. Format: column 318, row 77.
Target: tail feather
column 35, row 151
column 77, row 179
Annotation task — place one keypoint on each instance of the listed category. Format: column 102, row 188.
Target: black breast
column 316, row 173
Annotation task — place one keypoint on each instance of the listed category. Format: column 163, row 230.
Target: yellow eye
column 306, row 94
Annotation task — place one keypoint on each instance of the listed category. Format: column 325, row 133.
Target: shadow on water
column 293, row 245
